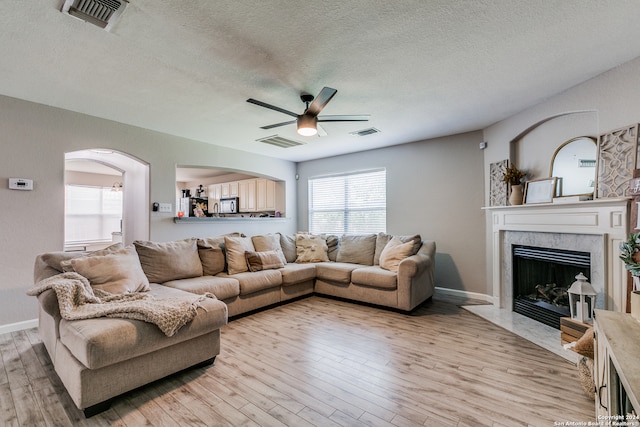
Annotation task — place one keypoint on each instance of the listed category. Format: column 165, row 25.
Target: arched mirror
column 574, row 163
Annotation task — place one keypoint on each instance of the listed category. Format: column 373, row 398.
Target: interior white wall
column 35, row 140
column 434, row 188
column 609, row 101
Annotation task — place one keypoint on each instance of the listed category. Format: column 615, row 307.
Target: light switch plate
column 165, row 207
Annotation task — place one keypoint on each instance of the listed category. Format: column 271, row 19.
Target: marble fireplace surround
column 591, row 243
column 596, row 226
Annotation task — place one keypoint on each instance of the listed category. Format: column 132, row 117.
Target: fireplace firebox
column 541, row 278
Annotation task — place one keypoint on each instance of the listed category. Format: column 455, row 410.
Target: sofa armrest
column 49, row 303
column 416, row 277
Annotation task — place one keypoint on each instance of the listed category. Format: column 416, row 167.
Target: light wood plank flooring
column 322, row 362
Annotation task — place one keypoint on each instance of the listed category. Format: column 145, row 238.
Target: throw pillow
column 162, row 262
column 212, row 259
column 235, row 248
column 394, row 252
column 268, row 242
column 310, row 248
column 117, row 273
column 211, row 253
column 288, row 245
column 264, row 260
column 332, row 245
column 357, row 249
column 383, row 238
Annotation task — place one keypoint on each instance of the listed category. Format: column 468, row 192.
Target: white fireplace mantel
column 608, row 218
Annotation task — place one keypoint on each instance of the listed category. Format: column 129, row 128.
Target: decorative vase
column 516, row 195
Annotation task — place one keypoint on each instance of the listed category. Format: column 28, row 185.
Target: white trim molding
column 19, row 326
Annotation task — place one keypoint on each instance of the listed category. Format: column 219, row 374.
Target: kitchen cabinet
column 265, row 195
column 247, row 195
column 215, row 192
column 616, row 375
column 229, row 189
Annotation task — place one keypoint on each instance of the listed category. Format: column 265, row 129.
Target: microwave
column 229, row 205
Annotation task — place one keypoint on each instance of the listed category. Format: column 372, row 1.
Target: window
column 91, row 213
column 351, row 203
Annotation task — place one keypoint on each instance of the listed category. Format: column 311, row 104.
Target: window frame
column 346, row 208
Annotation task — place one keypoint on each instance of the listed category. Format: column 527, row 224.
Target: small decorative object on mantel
column 513, row 176
column 630, row 255
column 582, row 299
column 498, row 188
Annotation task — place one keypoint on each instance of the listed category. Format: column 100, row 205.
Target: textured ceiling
column 421, row 69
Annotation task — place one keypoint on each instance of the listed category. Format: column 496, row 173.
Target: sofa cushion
column 66, row 264
column 254, row 282
column 266, row 260
column 104, row 341
column 335, row 271
column 394, row 252
column 166, row 261
column 375, row 276
column 235, row 249
column 288, row 245
column 311, row 248
column 357, row 249
column 296, row 273
column 383, row 238
column 222, row 287
column 118, row 272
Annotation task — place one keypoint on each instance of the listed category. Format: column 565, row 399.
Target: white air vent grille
column 586, row 163
column 365, row 132
column 103, row 13
column 279, row 141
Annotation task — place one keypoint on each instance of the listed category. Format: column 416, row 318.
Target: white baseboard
column 465, row 294
column 19, row 326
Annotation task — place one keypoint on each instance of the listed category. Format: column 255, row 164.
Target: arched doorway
column 134, row 185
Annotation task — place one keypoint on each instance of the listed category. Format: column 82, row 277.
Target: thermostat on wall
column 20, row 184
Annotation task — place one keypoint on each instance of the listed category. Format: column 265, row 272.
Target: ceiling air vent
column 279, row 141
column 103, row 13
column 365, row 132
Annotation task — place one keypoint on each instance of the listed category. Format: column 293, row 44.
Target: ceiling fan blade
column 321, row 131
column 350, row 118
column 321, row 100
column 278, row 124
column 271, row 107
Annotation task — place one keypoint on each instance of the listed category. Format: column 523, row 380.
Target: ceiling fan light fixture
column 307, row 125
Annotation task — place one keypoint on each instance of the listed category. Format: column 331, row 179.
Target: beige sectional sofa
column 100, row 358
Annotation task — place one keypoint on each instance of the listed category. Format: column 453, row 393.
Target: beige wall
column 606, row 102
column 434, row 188
column 34, row 141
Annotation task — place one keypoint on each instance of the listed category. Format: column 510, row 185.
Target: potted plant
column 513, row 176
column 630, row 255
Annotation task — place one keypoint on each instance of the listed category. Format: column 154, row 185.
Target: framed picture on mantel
column 540, row 190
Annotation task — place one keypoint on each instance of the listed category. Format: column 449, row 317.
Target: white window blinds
column 352, row 203
column 91, row 213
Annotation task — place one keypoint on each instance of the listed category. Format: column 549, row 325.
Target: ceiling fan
column 307, row 122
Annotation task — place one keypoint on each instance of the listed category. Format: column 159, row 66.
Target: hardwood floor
column 322, row 362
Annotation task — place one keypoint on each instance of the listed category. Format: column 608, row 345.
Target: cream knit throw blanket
column 78, row 300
